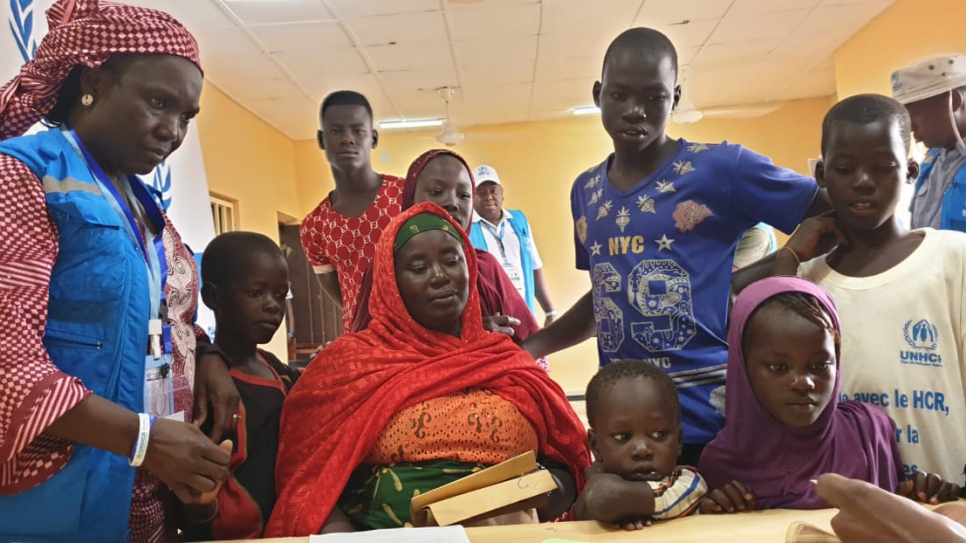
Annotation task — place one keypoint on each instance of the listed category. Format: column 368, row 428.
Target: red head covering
column 416, row 168
column 343, row 401
column 496, row 291
column 85, row 33
column 776, row 461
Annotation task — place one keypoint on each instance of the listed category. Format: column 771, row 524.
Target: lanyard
column 496, row 234
column 153, row 254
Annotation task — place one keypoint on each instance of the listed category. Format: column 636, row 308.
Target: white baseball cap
column 484, row 173
column 929, row 77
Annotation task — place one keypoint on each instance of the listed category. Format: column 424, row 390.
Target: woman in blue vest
column 97, row 291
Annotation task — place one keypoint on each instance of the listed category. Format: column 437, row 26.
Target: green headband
column 424, row 222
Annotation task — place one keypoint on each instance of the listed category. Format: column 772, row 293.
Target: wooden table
column 757, row 527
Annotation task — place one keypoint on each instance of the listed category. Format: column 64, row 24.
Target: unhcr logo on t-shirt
column 923, row 337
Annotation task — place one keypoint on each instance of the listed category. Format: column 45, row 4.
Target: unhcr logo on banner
column 161, row 181
column 22, row 27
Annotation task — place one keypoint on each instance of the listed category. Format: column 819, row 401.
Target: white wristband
column 141, row 445
column 550, row 313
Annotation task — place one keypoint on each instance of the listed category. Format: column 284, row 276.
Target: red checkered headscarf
column 85, row 33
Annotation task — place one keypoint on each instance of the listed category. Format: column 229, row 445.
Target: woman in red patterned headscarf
column 422, row 397
column 96, row 285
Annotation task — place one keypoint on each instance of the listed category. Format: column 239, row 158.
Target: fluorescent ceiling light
column 586, row 110
column 419, row 123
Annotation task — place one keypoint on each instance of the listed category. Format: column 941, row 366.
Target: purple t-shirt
column 660, row 257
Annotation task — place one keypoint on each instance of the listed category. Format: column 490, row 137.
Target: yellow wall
column 538, row 163
column 907, row 31
column 249, row 161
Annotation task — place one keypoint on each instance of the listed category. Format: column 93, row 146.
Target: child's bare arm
column 609, row 498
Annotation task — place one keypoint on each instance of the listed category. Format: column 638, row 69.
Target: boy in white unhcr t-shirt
column 899, row 292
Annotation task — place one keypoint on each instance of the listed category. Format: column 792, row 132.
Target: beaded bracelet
column 140, row 450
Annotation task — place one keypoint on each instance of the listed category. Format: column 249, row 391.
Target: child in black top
column 245, row 282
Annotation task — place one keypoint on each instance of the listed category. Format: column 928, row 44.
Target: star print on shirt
column 603, row 210
column 697, row 147
column 683, row 167
column 595, row 249
column 646, row 204
column 664, row 243
column 665, row 186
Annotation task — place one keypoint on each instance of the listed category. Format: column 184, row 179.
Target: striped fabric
column 679, row 494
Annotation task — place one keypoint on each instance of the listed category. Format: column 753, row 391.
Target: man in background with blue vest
column 512, row 245
column 934, row 92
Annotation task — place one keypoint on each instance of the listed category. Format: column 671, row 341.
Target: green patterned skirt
column 379, row 496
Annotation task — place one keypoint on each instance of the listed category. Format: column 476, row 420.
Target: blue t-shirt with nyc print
column 660, row 257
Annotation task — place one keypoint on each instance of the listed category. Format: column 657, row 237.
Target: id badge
column 159, row 386
column 516, row 277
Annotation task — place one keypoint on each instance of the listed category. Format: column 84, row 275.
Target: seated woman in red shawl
column 421, row 398
column 442, row 177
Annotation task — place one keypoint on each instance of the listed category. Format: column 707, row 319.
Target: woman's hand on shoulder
column 187, row 461
column 928, row 488
column 214, row 386
column 501, row 324
column 733, row 497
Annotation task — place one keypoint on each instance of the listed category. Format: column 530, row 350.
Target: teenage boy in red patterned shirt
column 339, row 236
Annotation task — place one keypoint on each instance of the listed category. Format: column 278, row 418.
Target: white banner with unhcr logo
column 181, row 179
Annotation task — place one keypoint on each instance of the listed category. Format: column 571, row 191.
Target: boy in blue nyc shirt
column 657, row 224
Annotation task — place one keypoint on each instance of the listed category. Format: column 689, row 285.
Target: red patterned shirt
column 33, row 391
column 346, row 245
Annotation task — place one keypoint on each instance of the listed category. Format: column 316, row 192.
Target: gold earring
column 87, row 100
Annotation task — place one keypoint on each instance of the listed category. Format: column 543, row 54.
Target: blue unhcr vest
column 953, row 211
column 96, row 331
column 518, row 222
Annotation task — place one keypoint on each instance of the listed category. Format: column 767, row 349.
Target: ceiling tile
column 425, row 104
column 747, row 7
column 308, row 65
column 498, row 96
column 760, row 26
column 511, row 72
column 662, row 12
column 496, row 52
column 748, row 51
column 489, row 20
column 402, row 29
column 692, row 34
column 562, row 95
column 317, row 36
column 401, row 81
column 259, row 89
column 410, row 57
column 355, row 9
column 367, row 85
column 221, row 42
column 819, row 82
column 576, row 17
column 561, row 56
column 278, row 11
column 686, row 55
